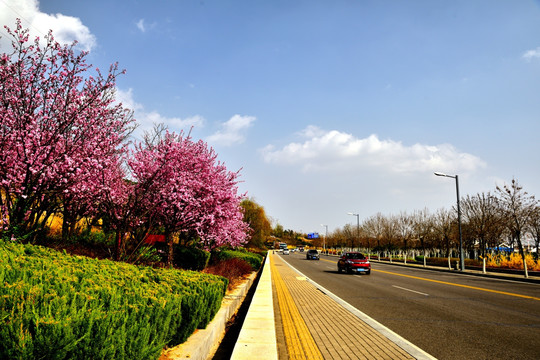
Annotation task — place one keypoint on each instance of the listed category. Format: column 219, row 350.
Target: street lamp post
column 461, row 257
column 357, row 225
column 324, row 240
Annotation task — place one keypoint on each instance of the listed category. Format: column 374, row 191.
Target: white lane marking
column 417, row 292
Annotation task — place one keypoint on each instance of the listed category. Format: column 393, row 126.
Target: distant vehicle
column 313, row 255
column 286, row 252
column 301, row 248
column 354, row 262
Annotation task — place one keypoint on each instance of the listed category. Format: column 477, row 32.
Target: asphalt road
column 451, row 316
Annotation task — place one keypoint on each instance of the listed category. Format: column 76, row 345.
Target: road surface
column 449, row 315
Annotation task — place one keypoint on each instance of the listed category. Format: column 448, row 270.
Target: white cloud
column 322, row 177
column 147, row 119
column 66, row 29
column 337, row 150
column 140, row 25
column 311, row 131
column 232, row 131
column 144, row 26
column 531, row 54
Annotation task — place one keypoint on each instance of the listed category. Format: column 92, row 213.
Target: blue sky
column 328, row 107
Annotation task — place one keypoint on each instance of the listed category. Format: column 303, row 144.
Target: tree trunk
column 537, row 244
column 522, row 254
column 170, row 247
column 483, row 246
column 119, row 245
column 67, row 224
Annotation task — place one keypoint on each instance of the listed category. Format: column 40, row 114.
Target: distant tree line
column 489, row 221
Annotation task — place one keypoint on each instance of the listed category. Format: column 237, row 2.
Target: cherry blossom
column 58, row 129
column 63, row 149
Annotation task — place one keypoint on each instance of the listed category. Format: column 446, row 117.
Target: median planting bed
column 254, row 260
column 58, row 306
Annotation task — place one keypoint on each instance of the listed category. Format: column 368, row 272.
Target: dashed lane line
column 413, row 291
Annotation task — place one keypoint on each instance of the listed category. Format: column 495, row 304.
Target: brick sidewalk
column 337, row 332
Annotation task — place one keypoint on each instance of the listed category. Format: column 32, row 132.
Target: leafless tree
column 374, row 228
column 517, row 207
column 444, row 224
column 404, row 229
column 423, row 227
column 390, row 234
column 342, row 237
column 534, row 226
column 482, row 216
column 350, row 235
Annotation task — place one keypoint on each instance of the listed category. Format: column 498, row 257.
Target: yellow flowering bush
column 513, row 261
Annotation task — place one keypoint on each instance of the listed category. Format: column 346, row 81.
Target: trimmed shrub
column 262, row 252
column 190, row 258
column 255, row 260
column 232, row 269
column 57, row 306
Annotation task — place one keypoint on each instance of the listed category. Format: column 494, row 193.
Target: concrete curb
column 203, row 343
column 257, row 338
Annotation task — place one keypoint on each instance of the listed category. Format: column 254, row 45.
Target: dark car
column 313, row 255
column 354, row 262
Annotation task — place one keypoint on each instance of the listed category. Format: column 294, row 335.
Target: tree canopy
column 64, row 150
column 255, row 217
column 58, row 128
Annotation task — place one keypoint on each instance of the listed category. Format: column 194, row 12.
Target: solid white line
column 418, row 292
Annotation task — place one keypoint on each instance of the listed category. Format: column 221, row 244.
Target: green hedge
column 255, row 260
column 56, row 306
column 190, row 258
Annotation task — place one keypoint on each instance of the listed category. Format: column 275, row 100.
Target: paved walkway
column 315, row 326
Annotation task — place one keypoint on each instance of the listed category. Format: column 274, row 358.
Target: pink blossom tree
column 63, row 149
column 193, row 194
column 123, row 203
column 58, row 130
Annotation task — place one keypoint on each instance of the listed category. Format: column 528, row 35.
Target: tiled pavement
column 316, row 326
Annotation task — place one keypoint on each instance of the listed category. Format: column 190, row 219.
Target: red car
column 354, row 262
